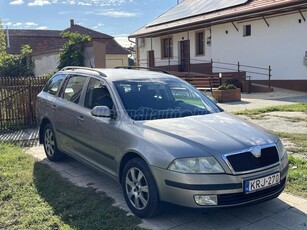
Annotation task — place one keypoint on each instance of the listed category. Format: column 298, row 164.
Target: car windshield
column 150, row 99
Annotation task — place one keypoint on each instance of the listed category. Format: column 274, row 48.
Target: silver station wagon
column 161, row 138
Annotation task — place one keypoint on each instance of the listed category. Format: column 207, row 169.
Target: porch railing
column 252, row 73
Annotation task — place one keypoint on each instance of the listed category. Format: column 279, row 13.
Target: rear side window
column 53, row 84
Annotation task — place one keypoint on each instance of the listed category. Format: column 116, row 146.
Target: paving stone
column 264, row 225
column 276, row 205
column 77, row 172
column 75, row 164
column 291, row 220
column 179, row 217
column 292, row 200
column 252, row 213
column 302, row 208
column 157, row 223
column 193, row 226
column 82, row 181
column 221, row 220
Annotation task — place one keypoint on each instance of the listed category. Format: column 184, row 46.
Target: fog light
column 205, row 199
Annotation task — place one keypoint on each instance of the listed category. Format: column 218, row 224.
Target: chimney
column 72, row 22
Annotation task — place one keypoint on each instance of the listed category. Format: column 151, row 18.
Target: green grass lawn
column 33, row 196
column 297, row 180
column 299, row 139
column 298, row 107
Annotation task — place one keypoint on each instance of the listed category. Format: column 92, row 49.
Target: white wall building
column 256, row 33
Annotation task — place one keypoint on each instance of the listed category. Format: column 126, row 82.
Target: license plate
column 261, row 183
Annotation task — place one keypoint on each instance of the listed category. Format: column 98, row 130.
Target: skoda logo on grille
column 256, row 151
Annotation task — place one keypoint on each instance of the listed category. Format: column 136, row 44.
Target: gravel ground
column 288, row 122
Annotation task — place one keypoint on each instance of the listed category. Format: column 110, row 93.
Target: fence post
column 30, row 100
column 270, row 74
column 239, row 73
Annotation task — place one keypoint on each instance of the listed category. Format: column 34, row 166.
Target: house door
column 184, row 62
column 151, row 58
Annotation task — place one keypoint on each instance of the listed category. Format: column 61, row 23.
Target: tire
column 140, row 190
column 50, row 144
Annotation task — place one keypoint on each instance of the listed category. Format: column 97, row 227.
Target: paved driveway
column 285, row 212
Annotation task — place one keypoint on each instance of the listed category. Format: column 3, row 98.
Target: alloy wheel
column 49, row 142
column 137, row 188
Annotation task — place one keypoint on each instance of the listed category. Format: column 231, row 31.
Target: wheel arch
column 127, row 157
column 44, row 122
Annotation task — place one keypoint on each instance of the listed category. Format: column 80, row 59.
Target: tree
column 72, row 53
column 15, row 65
column 2, row 41
column 20, row 65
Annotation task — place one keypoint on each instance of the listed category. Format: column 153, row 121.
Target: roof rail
column 140, row 67
column 85, row 68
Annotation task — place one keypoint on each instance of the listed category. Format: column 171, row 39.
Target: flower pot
column 227, row 95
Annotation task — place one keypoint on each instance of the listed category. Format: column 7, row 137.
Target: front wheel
column 50, row 144
column 140, row 190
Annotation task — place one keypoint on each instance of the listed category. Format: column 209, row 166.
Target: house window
column 200, row 43
column 247, row 30
column 167, row 47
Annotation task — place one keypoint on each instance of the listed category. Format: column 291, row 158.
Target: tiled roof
column 44, row 41
column 114, row 48
column 252, row 8
column 39, row 40
column 92, row 33
column 40, row 33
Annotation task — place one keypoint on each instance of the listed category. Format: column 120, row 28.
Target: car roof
column 119, row 74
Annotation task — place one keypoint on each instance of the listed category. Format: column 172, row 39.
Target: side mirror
column 101, row 111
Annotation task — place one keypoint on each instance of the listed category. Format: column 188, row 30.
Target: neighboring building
column 253, row 32
column 103, row 51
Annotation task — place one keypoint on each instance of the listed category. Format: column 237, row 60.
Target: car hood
column 213, row 134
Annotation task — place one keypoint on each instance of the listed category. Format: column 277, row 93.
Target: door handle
column 53, row 107
column 80, row 118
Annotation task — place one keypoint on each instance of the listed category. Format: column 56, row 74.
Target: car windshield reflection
column 150, row 99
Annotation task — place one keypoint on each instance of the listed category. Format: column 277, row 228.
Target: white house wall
column 113, row 60
column 155, row 44
column 45, row 64
column 281, row 45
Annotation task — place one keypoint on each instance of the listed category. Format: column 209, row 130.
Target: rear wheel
column 50, row 144
column 140, row 190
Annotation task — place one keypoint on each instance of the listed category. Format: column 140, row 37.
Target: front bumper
column 180, row 189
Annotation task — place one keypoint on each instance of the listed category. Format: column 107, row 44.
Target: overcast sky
column 118, row 18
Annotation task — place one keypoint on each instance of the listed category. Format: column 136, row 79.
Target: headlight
column 281, row 149
column 196, row 165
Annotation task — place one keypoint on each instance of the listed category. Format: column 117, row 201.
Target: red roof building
column 102, row 51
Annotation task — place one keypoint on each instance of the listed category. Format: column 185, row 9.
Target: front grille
column 237, row 198
column 247, row 161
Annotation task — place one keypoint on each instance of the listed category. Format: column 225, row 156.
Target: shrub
column 72, row 53
column 232, row 81
column 15, row 65
column 230, row 86
column 222, row 87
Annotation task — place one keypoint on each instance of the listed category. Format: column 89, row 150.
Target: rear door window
column 73, row 88
column 53, row 84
